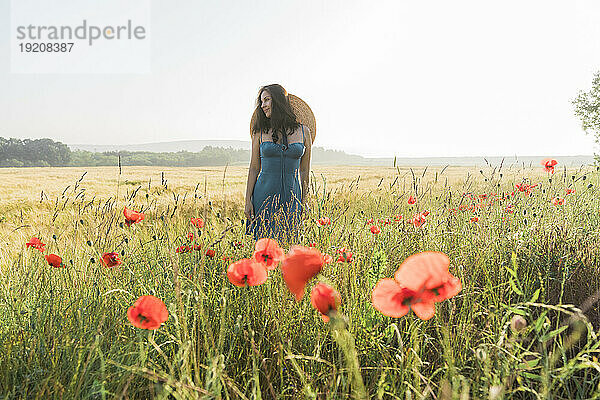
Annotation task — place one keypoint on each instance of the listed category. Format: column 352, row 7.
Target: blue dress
column 277, row 195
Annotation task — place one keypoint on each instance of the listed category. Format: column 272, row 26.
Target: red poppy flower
column 210, row 253
column 148, row 312
column 268, row 252
column 190, row 236
column 197, row 222
column 397, row 217
column 54, row 261
column 474, row 219
column 548, row 164
column 132, row 217
column 110, row 259
column 375, row 229
column 36, row 244
column 299, row 266
column 558, row 201
column 313, row 244
column 418, row 220
column 226, row 258
column 324, row 221
column 425, row 213
column 183, row 249
column 421, row 280
column 370, row 221
column 327, row 259
column 325, row 299
column 345, row 255
column 247, row 271
column 412, row 200
column 393, row 300
column 569, row 191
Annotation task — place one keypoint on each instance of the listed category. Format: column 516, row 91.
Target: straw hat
column 303, row 113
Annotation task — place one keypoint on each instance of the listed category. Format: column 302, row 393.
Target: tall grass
column 64, row 331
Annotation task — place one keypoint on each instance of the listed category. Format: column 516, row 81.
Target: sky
column 383, row 78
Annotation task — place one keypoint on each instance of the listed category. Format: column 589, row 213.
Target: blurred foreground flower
column 248, row 272
column 268, row 252
column 420, row 281
column 148, row 312
column 36, row 244
column 299, row 266
column 325, row 299
column 132, row 217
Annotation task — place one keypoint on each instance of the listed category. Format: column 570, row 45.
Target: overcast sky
column 384, row 78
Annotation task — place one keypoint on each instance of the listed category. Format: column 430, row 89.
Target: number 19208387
column 46, row 47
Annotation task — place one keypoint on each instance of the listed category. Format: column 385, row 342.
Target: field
column 523, row 243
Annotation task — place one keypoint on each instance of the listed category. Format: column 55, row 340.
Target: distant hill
column 322, row 156
column 164, row 147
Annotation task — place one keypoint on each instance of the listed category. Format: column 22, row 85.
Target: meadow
column 523, row 242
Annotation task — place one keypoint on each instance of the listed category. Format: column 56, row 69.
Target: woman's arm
column 305, row 165
column 254, row 169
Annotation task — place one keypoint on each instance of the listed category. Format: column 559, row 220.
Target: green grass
column 64, row 332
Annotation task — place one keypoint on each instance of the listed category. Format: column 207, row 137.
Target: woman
column 281, row 149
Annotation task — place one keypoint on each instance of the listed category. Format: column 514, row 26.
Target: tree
column 587, row 109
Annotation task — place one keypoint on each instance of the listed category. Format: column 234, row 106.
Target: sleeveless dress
column 277, row 195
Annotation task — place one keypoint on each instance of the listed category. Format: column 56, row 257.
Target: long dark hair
column 282, row 118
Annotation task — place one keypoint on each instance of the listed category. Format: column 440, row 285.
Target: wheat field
column 522, row 242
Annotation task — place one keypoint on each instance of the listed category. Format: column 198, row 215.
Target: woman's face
column 265, row 103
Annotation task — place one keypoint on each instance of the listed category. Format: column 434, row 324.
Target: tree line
column 49, row 153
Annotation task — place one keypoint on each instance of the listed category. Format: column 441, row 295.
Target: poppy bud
column 524, row 212
column 126, row 240
column 92, row 260
column 120, row 224
column 153, row 237
column 550, row 180
column 71, row 262
column 54, row 237
column 218, row 215
column 534, row 215
column 518, row 323
column 147, row 195
column 89, row 243
column 590, row 186
column 572, row 177
column 122, row 252
column 81, row 221
column 500, row 175
column 525, row 221
column 584, row 177
column 481, row 171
